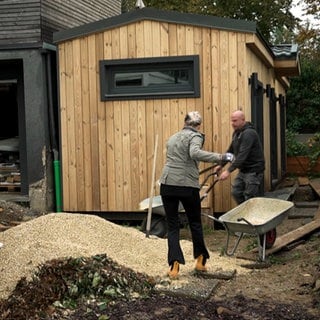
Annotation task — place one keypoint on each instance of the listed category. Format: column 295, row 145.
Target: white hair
column 193, row 118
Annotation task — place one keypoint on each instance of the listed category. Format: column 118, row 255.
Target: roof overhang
column 286, row 61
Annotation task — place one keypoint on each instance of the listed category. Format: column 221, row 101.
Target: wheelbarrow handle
column 212, row 217
column 245, row 220
column 207, row 169
column 208, row 190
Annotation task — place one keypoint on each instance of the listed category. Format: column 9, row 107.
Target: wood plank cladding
column 107, row 147
column 32, row 21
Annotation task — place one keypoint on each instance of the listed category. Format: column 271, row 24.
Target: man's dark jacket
column 247, row 148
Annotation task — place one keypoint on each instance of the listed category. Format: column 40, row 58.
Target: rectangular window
column 146, row 78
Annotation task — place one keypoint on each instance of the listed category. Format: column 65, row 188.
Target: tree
column 313, row 7
column 269, row 15
column 303, row 97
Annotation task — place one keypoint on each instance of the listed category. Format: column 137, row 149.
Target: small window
column 144, row 78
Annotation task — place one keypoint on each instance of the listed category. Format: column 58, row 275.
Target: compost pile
column 72, row 266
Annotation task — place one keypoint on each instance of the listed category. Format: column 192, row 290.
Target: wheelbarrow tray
column 256, row 215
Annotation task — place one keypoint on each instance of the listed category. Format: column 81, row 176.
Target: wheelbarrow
column 256, row 216
column 158, row 225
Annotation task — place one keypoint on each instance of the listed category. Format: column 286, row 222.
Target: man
column 249, row 159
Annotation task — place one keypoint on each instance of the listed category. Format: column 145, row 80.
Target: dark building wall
column 60, row 15
column 19, row 21
column 34, row 21
column 28, row 67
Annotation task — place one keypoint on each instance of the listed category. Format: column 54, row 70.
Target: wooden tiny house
column 129, row 78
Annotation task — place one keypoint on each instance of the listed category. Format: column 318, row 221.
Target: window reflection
column 151, row 78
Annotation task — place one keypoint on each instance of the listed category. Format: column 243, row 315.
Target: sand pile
column 59, row 235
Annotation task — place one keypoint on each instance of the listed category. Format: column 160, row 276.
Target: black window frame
column 109, row 68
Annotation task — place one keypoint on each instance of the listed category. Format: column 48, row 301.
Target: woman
column 180, row 183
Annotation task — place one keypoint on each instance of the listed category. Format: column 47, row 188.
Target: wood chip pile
column 61, row 235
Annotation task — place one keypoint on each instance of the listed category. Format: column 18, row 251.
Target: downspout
column 53, row 139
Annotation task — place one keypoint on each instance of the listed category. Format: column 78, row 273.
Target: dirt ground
column 286, row 286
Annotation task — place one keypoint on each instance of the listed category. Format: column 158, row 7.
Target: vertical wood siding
column 108, row 147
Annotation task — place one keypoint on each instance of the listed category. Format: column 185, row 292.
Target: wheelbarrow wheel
column 271, row 236
column 158, row 226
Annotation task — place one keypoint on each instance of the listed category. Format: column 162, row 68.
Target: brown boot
column 173, row 272
column 200, row 264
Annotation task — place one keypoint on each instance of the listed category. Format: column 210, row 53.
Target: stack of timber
column 10, row 179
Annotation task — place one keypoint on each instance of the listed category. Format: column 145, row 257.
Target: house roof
column 286, row 55
column 148, row 13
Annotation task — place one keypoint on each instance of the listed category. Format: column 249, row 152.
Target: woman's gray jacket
column 183, row 156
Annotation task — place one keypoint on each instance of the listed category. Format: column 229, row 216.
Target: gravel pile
column 62, row 235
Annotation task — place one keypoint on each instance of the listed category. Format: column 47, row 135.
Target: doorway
column 10, row 179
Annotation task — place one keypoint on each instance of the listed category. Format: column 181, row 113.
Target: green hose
column 57, row 183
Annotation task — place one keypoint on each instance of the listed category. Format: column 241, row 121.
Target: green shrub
column 310, row 148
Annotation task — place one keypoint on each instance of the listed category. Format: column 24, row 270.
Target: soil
column 285, row 286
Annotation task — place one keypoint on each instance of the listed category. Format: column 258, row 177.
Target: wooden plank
column 207, row 97
column 86, row 124
column 288, row 182
column 242, row 70
column 216, row 111
column 181, row 32
column 315, row 185
column 93, row 89
column 110, row 146
column 173, row 43
column 303, row 181
column 149, row 146
column 72, row 122
column 206, row 81
column 284, row 240
column 156, row 48
column 70, row 143
column 296, row 234
column 306, row 204
column 142, row 152
column 63, row 126
column 78, row 189
column 134, row 152
column 110, row 141
column 164, row 39
column 127, row 156
column 101, row 112
column 132, row 48
column 225, row 109
column 158, row 130
column 118, row 155
column 148, row 40
column 283, row 193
